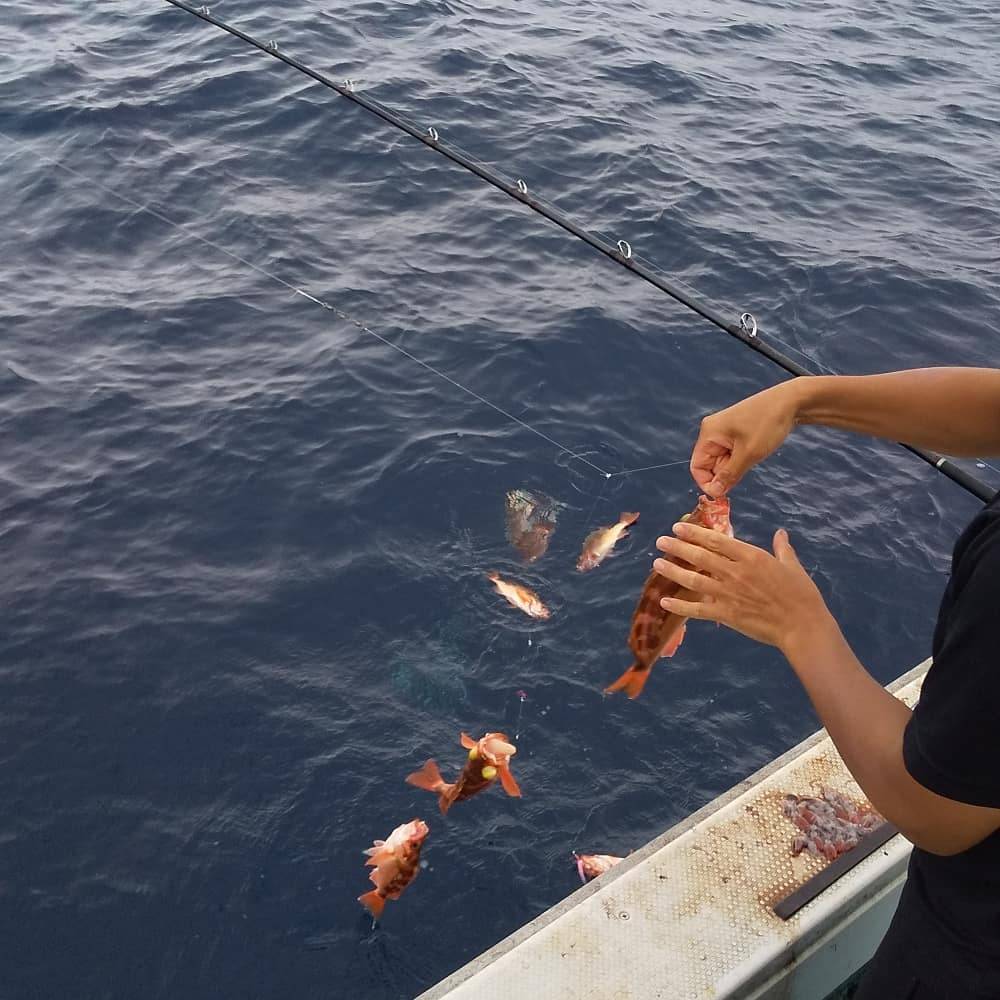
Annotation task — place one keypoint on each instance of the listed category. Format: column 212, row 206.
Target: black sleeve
column 952, row 743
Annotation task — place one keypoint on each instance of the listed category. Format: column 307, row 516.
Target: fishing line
column 744, row 329
column 650, row 468
column 182, row 227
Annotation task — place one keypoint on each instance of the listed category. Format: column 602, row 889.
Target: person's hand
column 734, row 440
column 767, row 597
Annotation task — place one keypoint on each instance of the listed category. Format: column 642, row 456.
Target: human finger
column 690, row 609
column 714, row 541
column 706, row 456
column 702, row 558
column 730, row 469
column 783, row 549
column 689, row 579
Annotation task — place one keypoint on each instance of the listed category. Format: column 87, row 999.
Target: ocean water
column 245, row 542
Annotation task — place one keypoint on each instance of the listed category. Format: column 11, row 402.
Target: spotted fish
column 487, row 760
column 531, row 520
column 395, row 863
column 656, row 632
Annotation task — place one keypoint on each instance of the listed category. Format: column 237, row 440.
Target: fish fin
column 674, row 641
column 383, row 873
column 467, row 741
column 628, row 517
column 373, row 902
column 510, row 785
column 376, row 848
column 493, row 575
column 631, row 682
column 428, row 777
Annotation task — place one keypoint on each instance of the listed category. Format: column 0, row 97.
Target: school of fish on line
column 654, row 633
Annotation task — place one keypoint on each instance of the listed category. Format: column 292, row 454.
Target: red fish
column 396, row 862
column 600, row 542
column 489, row 759
column 591, row 865
column 521, row 597
column 531, row 520
column 656, row 632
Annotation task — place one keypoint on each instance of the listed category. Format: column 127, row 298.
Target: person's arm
column 952, row 410
column 772, row 599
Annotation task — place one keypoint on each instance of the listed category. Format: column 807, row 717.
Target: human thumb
column 783, row 548
column 727, row 474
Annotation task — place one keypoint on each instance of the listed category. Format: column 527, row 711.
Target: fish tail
column 428, row 778
column 493, row 575
column 373, row 902
column 631, row 682
column 628, row 517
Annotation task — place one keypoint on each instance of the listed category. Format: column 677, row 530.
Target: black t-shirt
column 950, row 908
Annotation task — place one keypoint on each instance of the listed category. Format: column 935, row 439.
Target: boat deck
column 690, row 914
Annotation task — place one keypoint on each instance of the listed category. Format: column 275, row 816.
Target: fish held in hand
column 521, row 597
column 531, row 520
column 655, row 632
column 599, row 543
column 488, row 759
column 395, row 863
column 591, row 865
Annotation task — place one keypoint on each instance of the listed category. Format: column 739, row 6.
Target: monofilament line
column 182, row 227
column 744, row 329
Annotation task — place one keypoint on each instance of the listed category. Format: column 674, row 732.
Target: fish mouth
column 499, row 749
column 418, row 830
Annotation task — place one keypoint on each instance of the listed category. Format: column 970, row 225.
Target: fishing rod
column 744, row 329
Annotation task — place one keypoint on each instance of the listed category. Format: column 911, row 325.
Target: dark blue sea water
column 244, row 542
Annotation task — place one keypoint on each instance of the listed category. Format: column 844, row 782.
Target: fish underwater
column 829, row 826
column 488, row 759
column 521, row 597
column 531, row 520
column 599, row 543
column 396, row 862
column 656, row 632
column 591, row 865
